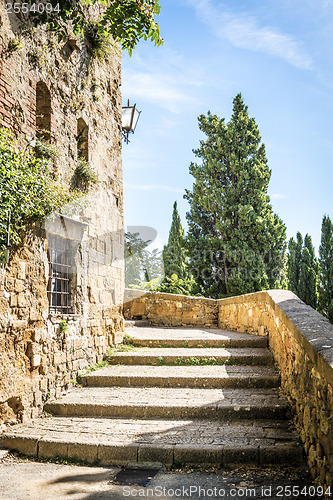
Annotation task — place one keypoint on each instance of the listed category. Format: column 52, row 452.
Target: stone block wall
column 170, row 310
column 301, row 340
column 45, row 84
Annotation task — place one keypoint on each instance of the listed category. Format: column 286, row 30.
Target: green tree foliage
column 303, row 269
column 294, row 263
column 127, row 21
column 326, row 269
column 308, row 281
column 174, row 253
column 236, row 243
column 153, row 265
column 143, row 269
column 173, row 284
column 27, row 188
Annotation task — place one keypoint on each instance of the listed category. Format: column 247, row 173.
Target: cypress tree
column 174, row 253
column 308, row 274
column 326, row 269
column 236, row 243
column 294, row 263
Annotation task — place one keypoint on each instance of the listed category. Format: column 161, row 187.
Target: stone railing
column 301, row 340
column 169, row 309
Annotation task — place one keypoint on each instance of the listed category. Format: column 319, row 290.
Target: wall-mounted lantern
column 130, row 116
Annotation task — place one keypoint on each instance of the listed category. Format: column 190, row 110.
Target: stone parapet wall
column 170, row 310
column 301, row 340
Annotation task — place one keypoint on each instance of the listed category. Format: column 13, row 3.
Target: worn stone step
column 120, row 441
column 136, row 322
column 192, row 356
column 191, row 337
column 158, row 402
column 213, row 376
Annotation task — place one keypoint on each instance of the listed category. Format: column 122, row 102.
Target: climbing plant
column 27, row 188
column 127, row 21
column 85, row 174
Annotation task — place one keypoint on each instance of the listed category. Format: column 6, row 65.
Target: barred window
column 60, row 272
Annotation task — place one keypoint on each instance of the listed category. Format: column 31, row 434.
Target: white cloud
column 278, row 196
column 326, row 3
column 245, row 32
column 154, row 188
column 165, row 78
column 162, row 89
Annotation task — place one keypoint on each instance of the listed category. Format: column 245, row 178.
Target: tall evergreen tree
column 236, row 243
column 174, row 253
column 134, row 258
column 326, row 269
column 308, row 276
column 141, row 265
column 294, row 262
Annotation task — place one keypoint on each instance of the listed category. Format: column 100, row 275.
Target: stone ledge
column 301, row 340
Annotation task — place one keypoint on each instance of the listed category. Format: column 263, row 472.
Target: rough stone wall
column 41, row 352
column 169, row 309
column 302, row 343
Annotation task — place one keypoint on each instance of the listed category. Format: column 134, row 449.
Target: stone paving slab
column 211, row 376
column 147, row 355
column 154, row 402
column 112, row 441
column 193, row 337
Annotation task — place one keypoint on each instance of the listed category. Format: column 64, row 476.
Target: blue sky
column 278, row 54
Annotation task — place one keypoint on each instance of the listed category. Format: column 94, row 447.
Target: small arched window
column 82, row 140
column 43, row 112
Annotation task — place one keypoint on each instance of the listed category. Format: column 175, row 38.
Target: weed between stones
column 91, row 369
column 193, row 361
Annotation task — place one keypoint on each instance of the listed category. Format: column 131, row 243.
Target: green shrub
column 98, row 41
column 14, row 44
column 173, row 284
column 27, row 188
column 45, row 150
column 63, row 326
column 85, row 173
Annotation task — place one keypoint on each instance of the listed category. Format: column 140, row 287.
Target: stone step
column 191, row 356
column 136, row 322
column 191, row 337
column 158, row 402
column 213, row 376
column 120, row 441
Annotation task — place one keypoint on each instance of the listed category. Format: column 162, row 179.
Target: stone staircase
column 200, row 397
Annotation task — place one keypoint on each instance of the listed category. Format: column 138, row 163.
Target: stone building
column 61, row 292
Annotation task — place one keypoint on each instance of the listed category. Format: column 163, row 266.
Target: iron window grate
column 58, row 289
